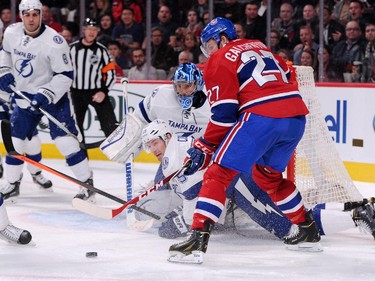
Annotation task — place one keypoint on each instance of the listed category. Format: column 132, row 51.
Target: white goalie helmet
column 156, row 129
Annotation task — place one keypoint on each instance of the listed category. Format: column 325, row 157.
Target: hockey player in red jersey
column 258, row 118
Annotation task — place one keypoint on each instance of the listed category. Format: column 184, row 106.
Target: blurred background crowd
column 348, row 33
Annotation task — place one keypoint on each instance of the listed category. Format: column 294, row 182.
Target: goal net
column 316, row 167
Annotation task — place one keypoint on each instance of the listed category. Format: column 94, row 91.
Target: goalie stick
column 7, row 139
column 107, row 213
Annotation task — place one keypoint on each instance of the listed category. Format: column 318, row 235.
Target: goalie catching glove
column 200, row 155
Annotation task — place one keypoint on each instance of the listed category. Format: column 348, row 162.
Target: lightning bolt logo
column 241, row 187
column 24, row 68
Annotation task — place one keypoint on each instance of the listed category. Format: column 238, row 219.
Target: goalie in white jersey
column 35, row 59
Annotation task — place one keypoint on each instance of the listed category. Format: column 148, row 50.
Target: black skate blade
column 196, row 257
column 306, row 247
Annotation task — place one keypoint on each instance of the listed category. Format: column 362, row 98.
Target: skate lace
column 293, row 232
column 12, row 233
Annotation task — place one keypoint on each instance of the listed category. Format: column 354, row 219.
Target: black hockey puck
column 91, row 254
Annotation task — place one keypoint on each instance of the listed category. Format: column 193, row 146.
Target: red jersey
column 244, row 76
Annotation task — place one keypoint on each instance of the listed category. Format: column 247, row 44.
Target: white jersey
column 39, row 64
column 163, row 104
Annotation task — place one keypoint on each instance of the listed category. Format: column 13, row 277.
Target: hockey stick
column 7, row 139
column 48, row 115
column 106, row 213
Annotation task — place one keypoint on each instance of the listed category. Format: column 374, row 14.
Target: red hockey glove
column 200, row 155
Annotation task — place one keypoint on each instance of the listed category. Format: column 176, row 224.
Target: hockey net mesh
column 318, row 171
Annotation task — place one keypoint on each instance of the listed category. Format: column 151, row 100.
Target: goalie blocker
column 124, row 141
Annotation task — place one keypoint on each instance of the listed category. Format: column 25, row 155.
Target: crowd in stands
column 349, row 32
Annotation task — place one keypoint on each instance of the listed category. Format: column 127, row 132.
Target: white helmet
column 156, row 129
column 26, row 5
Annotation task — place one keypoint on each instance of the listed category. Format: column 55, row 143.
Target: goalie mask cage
column 316, row 167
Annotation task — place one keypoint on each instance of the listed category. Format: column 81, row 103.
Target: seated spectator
column 5, row 17
column 368, row 74
column 309, row 18
column 99, row 8
column 67, row 34
column 191, row 44
column 183, row 57
column 341, row 11
column 253, row 23
column 202, row 60
column 194, row 25
column 347, row 51
column 118, row 5
column 275, row 41
column 285, row 55
column 307, row 42
column 201, row 6
column 329, row 72
column 240, row 30
column 118, row 59
column 106, row 28
column 162, row 55
column 48, row 19
column 139, row 70
column 285, row 25
column 165, row 23
column 128, row 33
column 333, row 31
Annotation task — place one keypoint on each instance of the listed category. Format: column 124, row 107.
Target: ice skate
column 304, row 236
column 40, row 180
column 86, row 194
column 364, row 218
column 193, row 249
column 1, row 169
column 15, row 235
column 11, row 189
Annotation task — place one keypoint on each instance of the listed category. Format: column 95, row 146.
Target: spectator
column 285, row 55
column 67, row 34
column 92, row 87
column 206, row 18
column 128, row 33
column 329, row 72
column 5, row 17
column 118, row 5
column 333, row 31
column 240, row 30
column 285, row 25
column 99, row 8
column 201, row 6
column 165, row 22
column 309, row 18
column 139, row 70
column 347, row 51
column 230, row 9
column 191, row 44
column 183, row 57
column 369, row 56
column 48, row 19
column 106, row 24
column 307, row 42
column 274, row 41
column 118, row 59
column 341, row 12
column 194, row 24
column 161, row 53
column 356, row 9
column 308, row 59
column 253, row 23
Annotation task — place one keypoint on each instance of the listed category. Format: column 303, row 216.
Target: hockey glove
column 7, row 79
column 200, row 155
column 38, row 101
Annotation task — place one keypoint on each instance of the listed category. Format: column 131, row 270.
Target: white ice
column 63, row 235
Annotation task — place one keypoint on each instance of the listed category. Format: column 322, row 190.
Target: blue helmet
column 214, row 29
column 188, row 73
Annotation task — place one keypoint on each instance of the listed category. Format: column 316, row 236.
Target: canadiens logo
column 24, row 67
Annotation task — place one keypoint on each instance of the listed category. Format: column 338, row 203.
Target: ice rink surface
column 63, row 236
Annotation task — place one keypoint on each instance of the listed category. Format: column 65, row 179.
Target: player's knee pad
column 266, row 178
column 33, row 146
column 67, row 145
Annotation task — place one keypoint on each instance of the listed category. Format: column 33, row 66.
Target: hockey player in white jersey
column 9, row 232
column 243, row 193
column 11, row 185
column 35, row 59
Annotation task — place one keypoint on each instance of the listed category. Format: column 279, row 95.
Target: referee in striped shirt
column 94, row 75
